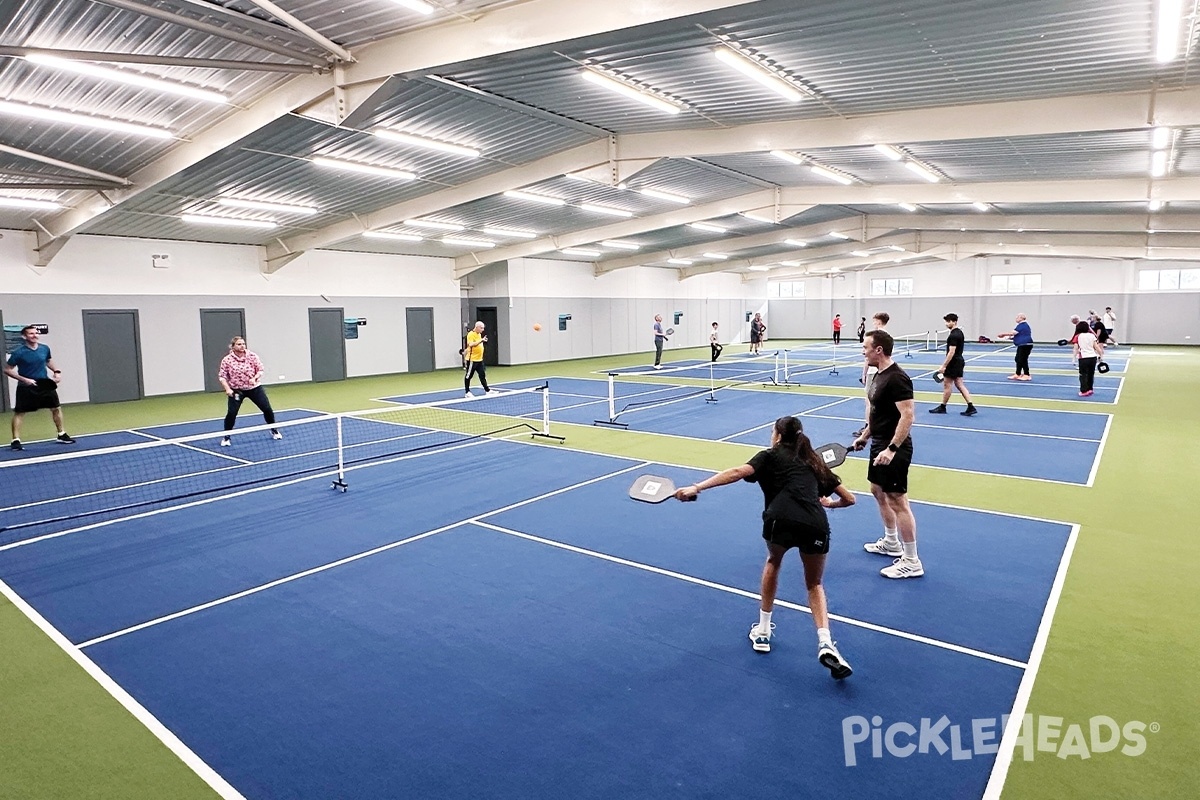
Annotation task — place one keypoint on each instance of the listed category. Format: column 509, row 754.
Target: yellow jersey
column 474, row 346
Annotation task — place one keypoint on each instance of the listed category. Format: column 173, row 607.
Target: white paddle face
column 652, row 489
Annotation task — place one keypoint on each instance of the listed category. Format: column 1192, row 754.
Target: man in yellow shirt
column 474, row 357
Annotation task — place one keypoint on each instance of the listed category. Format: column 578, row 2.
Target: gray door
column 217, row 327
column 327, row 343
column 112, row 347
column 491, row 353
column 419, row 327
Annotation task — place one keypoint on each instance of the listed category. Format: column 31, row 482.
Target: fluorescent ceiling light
column 535, row 198
column 434, row 224
column 791, row 158
column 484, row 243
column 907, row 206
column 757, row 217
column 509, row 233
column 1158, row 164
column 674, row 198
column 838, row 235
column 399, row 237
column 890, row 152
column 616, row 244
column 790, row 263
column 82, row 120
column 796, row 242
column 825, row 172
column 1168, row 18
column 982, row 206
column 580, row 251
column 717, row 256
column 579, row 176
column 632, row 92
column 684, row 261
column 93, row 70
column 921, row 170
column 758, row 71
column 859, row 253
column 428, row 144
column 365, row 169
column 28, row 202
column 232, row 222
column 897, row 248
column 609, row 210
column 759, row 269
column 1160, row 138
column 1155, row 205
column 416, row 5
column 259, row 205
column 706, row 226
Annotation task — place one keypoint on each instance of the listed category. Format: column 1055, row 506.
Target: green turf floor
column 1123, row 644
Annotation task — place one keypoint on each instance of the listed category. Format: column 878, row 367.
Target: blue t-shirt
column 658, row 332
column 30, row 361
column 1024, row 334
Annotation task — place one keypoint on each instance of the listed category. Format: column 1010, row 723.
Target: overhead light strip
column 761, row 72
column 433, row 224
column 93, row 70
column 1168, row 19
column 535, row 198
column 609, row 210
column 419, row 6
column 579, row 251
column 261, row 205
column 628, row 90
column 509, row 233
column 229, row 222
column 707, row 226
column 28, row 202
column 456, row 240
column 365, row 169
column 399, row 237
column 425, row 142
column 81, row 120
column 668, row 196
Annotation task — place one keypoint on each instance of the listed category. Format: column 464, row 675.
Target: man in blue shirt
column 1022, row 337
column 659, row 339
column 32, row 367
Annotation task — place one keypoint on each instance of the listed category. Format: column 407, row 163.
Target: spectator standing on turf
column 797, row 488
column 240, row 374
column 715, row 342
column 1110, row 322
column 837, row 328
column 862, row 329
column 757, row 329
column 1087, row 352
column 37, row 377
column 660, row 339
column 953, row 368
column 888, row 431
column 1022, row 339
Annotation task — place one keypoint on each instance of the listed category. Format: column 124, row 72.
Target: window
column 1169, row 280
column 1017, row 284
column 881, row 287
column 785, row 289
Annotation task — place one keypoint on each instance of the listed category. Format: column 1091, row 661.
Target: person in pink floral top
column 241, row 375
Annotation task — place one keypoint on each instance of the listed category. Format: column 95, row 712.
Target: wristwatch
column 893, row 447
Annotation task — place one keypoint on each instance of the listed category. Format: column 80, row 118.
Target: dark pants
column 476, row 368
column 837, row 337
column 258, row 396
column 716, row 351
column 658, row 343
column 1023, row 351
column 1087, row 374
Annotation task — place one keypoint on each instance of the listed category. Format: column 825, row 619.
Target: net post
column 834, row 370
column 545, row 431
column 712, row 385
column 340, row 481
column 612, row 398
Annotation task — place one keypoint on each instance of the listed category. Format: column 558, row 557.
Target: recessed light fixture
column 535, row 198
column 790, row 263
column 922, row 171
column 261, row 205
column 890, row 152
column 796, row 242
column 717, row 256
column 838, row 235
column 28, row 202
column 609, row 210
column 580, row 251
column 630, row 91
column 365, row 169
column 434, row 225
column 757, row 217
column 93, row 70
column 616, row 244
column 759, row 269
column 668, row 196
column 1158, row 164
column 399, row 237
column 420, row 6
column 707, row 226
column 791, row 158
column 1168, row 20
column 1160, row 138
column 683, row 261
column 757, row 70
column 832, row 175
column 426, row 142
column 230, row 222
column 82, row 120
column 455, row 240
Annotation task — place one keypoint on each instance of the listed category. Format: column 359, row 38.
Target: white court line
column 1008, row 741
column 136, row 709
column 342, row 561
column 187, row 446
column 967, row 430
column 751, row 595
column 1091, row 479
column 799, row 413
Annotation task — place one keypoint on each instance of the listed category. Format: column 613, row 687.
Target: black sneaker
column 939, row 409
column 970, row 412
column 16, row 445
column 65, row 438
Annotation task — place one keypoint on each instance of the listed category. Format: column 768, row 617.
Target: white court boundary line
column 1008, row 741
column 1091, row 479
column 751, row 595
column 139, row 712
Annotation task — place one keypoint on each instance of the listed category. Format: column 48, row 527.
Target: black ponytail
column 793, row 441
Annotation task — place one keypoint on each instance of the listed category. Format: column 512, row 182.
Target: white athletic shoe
column 225, row 442
column 276, row 434
column 881, row 547
column 828, row 655
column 760, row 640
column 904, row 568
column 658, row 366
column 468, row 395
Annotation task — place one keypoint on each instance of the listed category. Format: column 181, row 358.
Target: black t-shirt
column 791, row 490
column 890, row 386
column 956, row 341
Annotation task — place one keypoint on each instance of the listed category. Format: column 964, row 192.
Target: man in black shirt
column 888, row 427
column 952, row 368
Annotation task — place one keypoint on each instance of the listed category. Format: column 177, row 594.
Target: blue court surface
column 1062, row 446
column 542, row 635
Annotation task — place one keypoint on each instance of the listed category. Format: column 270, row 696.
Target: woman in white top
column 715, row 343
column 1087, row 353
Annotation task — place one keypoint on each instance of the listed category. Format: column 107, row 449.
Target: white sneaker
column 276, row 435
column 491, row 391
column 658, row 366
column 761, row 640
column 468, row 395
column 828, row 655
column 904, row 568
column 881, row 547
column 225, row 442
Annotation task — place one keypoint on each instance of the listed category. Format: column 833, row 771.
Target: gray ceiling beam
column 165, row 61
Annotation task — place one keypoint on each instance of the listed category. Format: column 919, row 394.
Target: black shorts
column 34, row 398
column 892, row 478
column 955, row 368
column 808, row 539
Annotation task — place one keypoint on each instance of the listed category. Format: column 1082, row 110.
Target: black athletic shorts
column 807, row 539
column 34, row 398
column 955, row 368
column 892, row 478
